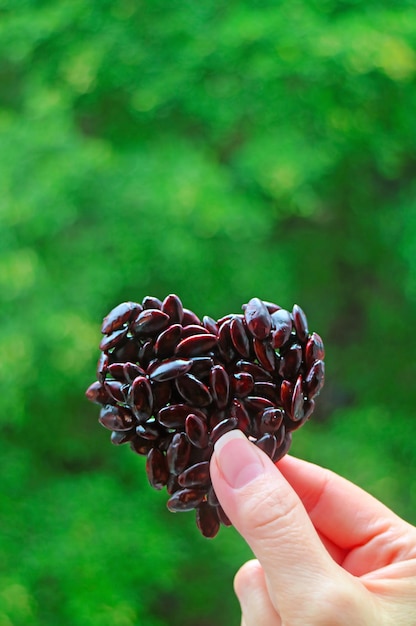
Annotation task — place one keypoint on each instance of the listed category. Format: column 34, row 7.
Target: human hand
column 328, row 553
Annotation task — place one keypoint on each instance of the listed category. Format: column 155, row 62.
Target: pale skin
column 327, row 553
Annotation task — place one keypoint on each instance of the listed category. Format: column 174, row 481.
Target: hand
column 328, row 553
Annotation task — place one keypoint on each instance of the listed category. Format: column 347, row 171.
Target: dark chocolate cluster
column 171, row 384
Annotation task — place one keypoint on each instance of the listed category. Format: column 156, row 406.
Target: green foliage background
column 218, row 151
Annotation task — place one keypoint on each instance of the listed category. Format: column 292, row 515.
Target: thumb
column 266, row 511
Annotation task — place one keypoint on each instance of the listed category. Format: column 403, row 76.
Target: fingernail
column 238, row 459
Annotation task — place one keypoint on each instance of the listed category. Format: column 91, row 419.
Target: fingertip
column 239, row 460
column 249, row 574
column 229, row 436
column 251, row 590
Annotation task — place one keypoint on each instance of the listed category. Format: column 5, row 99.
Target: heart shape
column 171, row 385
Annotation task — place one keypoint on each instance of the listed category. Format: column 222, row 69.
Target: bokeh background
column 219, row 151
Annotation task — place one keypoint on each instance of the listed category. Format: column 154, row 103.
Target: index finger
column 350, row 518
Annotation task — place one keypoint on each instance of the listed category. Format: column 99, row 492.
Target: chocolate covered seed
column 239, row 337
column 102, row 367
column 128, row 350
column 167, row 341
column 195, row 345
column 140, row 398
column 281, row 450
column 210, row 324
column 118, row 437
column 220, row 385
column 116, row 338
column 173, row 307
column 286, row 391
column 116, row 390
column 178, row 453
column 149, row 322
column 258, row 318
column 212, row 497
column 225, row 345
column 315, row 350
column 300, row 322
column 265, row 354
column 157, row 468
column 196, row 476
column 116, row 418
column 160, row 371
column 119, row 316
column 150, row 302
column 207, row 520
column 174, row 415
column 290, row 361
column 282, row 328
column 141, row 446
column 162, row 393
column 150, row 430
column 267, row 443
column 197, row 430
column 271, row 420
column 239, row 412
column 315, row 378
column 257, row 404
column 193, row 329
column 267, row 390
column 185, row 500
column 189, row 317
column 116, row 370
column 201, row 366
column 258, row 373
column 223, row 427
column 193, row 391
column 242, row 384
column 296, row 412
column 98, row 394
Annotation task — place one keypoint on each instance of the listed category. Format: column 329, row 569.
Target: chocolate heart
column 171, row 385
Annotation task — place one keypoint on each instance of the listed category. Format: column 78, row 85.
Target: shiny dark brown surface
column 120, row 316
column 150, row 321
column 173, row 307
column 116, row 418
column 185, row 500
column 196, row 476
column 170, row 385
column 196, row 345
column 167, row 341
column 160, row 371
column 282, row 327
column 140, row 398
column 193, row 390
column 239, row 337
column 157, row 468
column 207, row 519
column 178, row 453
column 258, row 318
column 116, row 338
column 196, row 428
column 220, row 385
column 300, row 322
